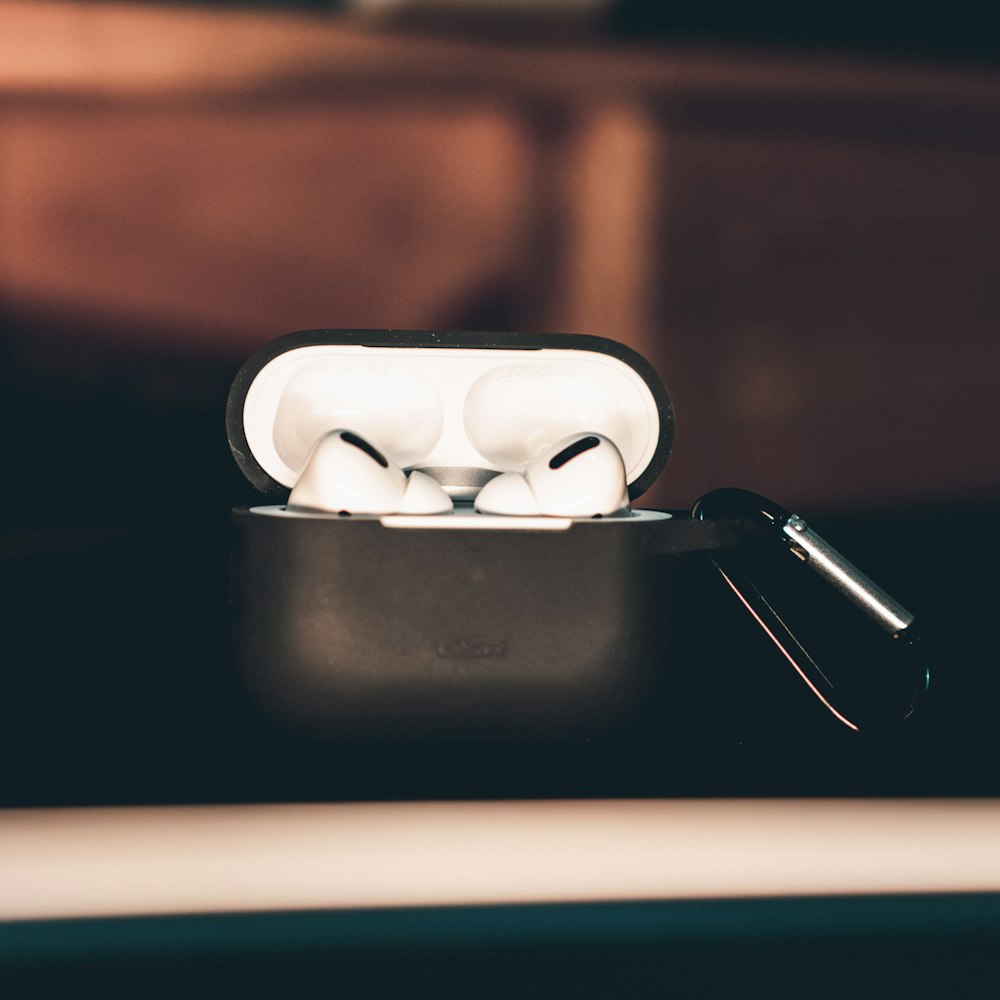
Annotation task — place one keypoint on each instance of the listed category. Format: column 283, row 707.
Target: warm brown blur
column 806, row 249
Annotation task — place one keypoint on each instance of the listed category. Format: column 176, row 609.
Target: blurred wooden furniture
column 806, row 248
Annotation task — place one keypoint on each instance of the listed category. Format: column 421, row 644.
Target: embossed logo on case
column 471, row 647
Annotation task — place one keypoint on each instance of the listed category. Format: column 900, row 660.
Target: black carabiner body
column 900, row 676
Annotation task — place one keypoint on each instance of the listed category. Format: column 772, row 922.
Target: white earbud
column 345, row 474
column 580, row 476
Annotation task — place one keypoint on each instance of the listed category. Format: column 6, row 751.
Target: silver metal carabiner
column 908, row 672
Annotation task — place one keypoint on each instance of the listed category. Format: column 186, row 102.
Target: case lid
column 462, row 406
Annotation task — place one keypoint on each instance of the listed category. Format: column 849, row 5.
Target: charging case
column 465, row 624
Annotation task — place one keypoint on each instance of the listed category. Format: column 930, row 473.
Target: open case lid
column 462, row 406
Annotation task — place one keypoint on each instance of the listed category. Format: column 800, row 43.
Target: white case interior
column 446, row 408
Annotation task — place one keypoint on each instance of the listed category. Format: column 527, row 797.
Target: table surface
column 61, row 864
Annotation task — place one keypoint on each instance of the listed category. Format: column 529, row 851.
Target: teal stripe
column 533, row 928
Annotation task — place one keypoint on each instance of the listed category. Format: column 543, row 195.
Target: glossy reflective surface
column 870, row 678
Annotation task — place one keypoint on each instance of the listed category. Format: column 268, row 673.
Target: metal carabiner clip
column 893, row 686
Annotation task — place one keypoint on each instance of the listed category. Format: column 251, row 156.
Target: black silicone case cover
column 353, row 629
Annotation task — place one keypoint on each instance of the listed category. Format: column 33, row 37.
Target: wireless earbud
column 345, row 474
column 580, row 476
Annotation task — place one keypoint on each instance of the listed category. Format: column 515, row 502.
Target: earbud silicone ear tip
column 424, row 495
column 508, row 493
column 346, row 474
column 581, row 476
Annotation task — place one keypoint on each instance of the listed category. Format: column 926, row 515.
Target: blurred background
column 794, row 216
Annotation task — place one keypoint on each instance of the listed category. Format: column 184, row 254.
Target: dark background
column 117, row 684
column 791, row 210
